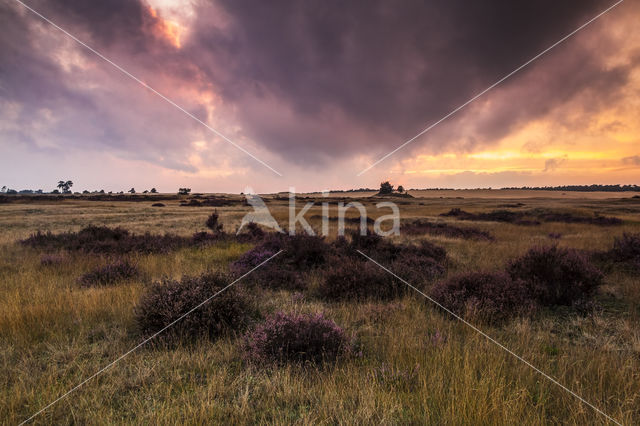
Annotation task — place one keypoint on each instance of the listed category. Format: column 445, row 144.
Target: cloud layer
column 306, row 86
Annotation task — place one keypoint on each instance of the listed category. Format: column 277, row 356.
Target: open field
column 54, row 333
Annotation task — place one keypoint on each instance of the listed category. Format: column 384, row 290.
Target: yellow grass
column 53, row 334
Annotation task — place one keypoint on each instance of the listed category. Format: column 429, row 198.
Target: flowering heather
column 52, row 260
column 556, row 276
column 166, row 301
column 298, row 338
column 354, row 279
column 105, row 240
column 109, row 274
column 626, row 249
column 532, row 217
column 419, row 227
column 489, row 297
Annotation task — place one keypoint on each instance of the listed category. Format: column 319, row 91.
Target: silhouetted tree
column 65, row 186
column 386, row 188
column 400, row 188
column 132, row 190
column 184, row 191
column 153, row 191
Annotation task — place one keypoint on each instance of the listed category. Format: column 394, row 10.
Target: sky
column 316, row 92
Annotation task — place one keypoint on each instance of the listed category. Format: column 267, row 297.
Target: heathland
column 72, row 302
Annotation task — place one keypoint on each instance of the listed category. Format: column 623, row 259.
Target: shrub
column 354, row 279
column 299, row 338
column 51, row 260
column 253, row 233
column 105, row 240
column 166, row 301
column 158, row 205
column 109, row 274
column 273, row 274
column 625, row 253
column 212, row 223
column 489, row 297
column 556, row 276
column 626, row 248
column 418, row 227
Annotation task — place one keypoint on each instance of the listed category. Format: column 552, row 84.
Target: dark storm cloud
column 308, row 80
column 385, row 69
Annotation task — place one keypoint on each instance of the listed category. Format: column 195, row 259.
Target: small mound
column 296, row 338
column 105, row 240
column 109, row 274
column 418, row 227
column 166, row 301
column 488, row 297
column 556, row 276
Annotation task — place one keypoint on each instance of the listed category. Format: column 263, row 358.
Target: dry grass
column 53, row 334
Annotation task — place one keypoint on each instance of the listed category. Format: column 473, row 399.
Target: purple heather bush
column 420, row 227
column 166, row 301
column 297, row 338
column 353, row 279
column 626, row 251
column 52, row 259
column 556, row 276
column 252, row 233
column 105, row 240
column 488, row 297
column 109, row 274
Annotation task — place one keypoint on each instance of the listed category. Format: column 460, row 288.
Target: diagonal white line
column 111, row 364
column 500, row 345
column 490, row 87
column 136, row 79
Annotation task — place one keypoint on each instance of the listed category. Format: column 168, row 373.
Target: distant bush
column 274, row 274
column 157, row 205
column 556, row 276
column 102, row 239
column 626, row 248
column 213, row 224
column 166, row 301
column 418, row 227
column 489, row 297
column 52, row 260
column 109, row 274
column 532, row 217
column 298, row 338
column 625, row 253
column 253, row 233
column 353, row 279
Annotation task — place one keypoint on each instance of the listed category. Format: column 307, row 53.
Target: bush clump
column 556, row 276
column 626, row 248
column 166, row 301
column 356, row 280
column 52, row 259
column 109, row 274
column 298, row 338
column 419, row 227
column 105, row 240
column 485, row 296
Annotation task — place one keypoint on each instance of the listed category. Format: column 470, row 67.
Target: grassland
column 53, row 333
